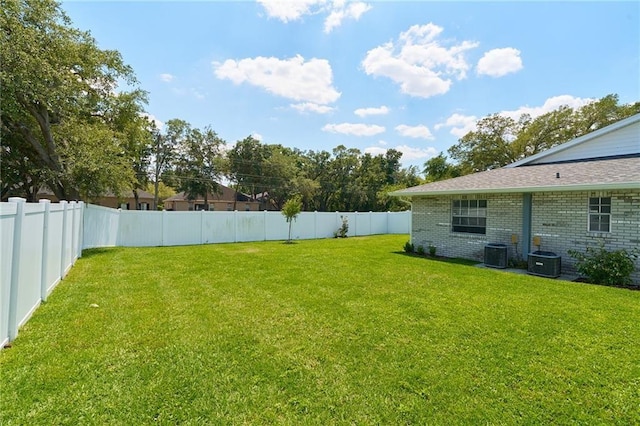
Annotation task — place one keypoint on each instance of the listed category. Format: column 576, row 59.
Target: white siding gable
column 623, row 141
column 621, row 138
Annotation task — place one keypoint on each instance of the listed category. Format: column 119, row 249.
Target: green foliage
column 420, row 250
column 290, row 211
column 432, row 250
column 344, row 228
column 61, row 108
column 500, row 140
column 408, row 247
column 199, row 165
column 344, row 332
column 437, row 168
column 605, row 267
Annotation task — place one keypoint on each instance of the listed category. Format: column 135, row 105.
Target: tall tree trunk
column 136, row 199
column 155, row 194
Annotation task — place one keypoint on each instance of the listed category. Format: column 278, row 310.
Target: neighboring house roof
column 225, row 194
column 566, row 167
column 142, row 194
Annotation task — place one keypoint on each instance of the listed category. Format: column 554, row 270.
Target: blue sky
column 414, row 76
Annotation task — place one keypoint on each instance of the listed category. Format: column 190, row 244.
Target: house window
column 124, row 206
column 469, row 216
column 600, row 214
column 143, row 206
column 229, row 207
column 247, row 207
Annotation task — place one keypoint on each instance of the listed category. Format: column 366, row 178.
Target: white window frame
column 597, row 210
column 469, row 214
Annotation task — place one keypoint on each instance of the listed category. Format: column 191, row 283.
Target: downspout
column 526, row 224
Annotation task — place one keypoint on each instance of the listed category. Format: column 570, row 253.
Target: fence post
column 264, row 214
column 163, row 232
column 45, row 250
column 64, row 238
column 355, row 225
column 15, row 267
column 235, row 226
column 81, row 231
column 73, row 205
column 202, row 226
column 315, row 224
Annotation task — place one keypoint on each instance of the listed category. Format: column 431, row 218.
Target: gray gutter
column 553, row 188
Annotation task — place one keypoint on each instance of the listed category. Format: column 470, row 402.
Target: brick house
column 225, row 199
column 574, row 195
column 125, row 201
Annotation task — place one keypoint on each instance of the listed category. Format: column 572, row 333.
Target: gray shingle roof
column 620, row 173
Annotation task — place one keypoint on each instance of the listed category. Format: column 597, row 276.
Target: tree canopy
column 499, row 140
column 61, row 108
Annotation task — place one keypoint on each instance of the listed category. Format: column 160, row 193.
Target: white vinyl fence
column 106, row 227
column 39, row 242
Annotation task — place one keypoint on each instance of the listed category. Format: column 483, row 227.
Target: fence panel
column 39, row 243
column 7, row 225
column 53, row 248
column 101, row 227
column 140, row 228
column 29, row 264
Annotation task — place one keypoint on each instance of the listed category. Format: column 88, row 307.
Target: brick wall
column 559, row 219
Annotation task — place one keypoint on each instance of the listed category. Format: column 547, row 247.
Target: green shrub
column 344, row 228
column 408, row 247
column 432, row 250
column 420, row 250
column 605, row 267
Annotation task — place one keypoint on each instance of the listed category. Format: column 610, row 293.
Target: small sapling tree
column 291, row 209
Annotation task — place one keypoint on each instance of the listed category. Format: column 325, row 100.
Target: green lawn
column 337, row 331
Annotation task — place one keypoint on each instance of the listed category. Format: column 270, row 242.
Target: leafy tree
column 199, row 165
column 59, row 97
column 164, row 154
column 437, row 168
column 488, row 147
column 500, row 140
column 245, row 164
column 290, row 210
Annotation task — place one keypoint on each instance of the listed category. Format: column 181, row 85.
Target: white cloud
column 167, row 78
column 419, row 61
column 549, row 105
column 499, row 62
column 159, row 124
column 409, row 153
column 289, row 10
column 460, row 124
column 311, row 107
column 257, row 136
column 337, row 10
column 375, row 150
column 363, row 112
column 293, row 78
column 338, row 14
column 420, row 131
column 356, row 129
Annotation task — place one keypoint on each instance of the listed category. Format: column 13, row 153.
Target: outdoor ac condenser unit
column 495, row 255
column 544, row 264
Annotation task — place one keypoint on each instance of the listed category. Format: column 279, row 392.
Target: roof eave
column 550, row 188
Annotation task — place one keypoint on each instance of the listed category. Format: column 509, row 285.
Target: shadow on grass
column 453, row 260
column 98, row 251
